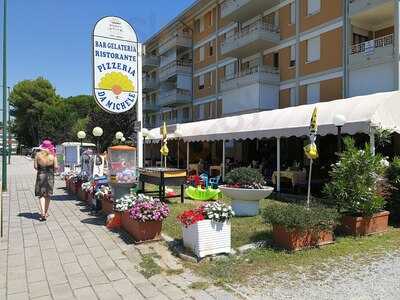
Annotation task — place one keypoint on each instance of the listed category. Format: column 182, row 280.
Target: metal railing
column 258, row 26
column 377, row 43
column 250, row 71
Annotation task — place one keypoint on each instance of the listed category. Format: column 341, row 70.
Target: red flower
column 191, row 217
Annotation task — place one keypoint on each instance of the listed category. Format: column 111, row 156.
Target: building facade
column 221, row 58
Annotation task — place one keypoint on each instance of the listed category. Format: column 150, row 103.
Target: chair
column 214, row 181
column 204, row 178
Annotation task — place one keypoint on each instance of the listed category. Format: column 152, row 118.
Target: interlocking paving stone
column 38, row 289
column 86, row 293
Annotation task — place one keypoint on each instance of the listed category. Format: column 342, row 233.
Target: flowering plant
column 124, row 203
column 216, row 211
column 102, row 192
column 87, row 186
column 146, row 209
column 245, row 178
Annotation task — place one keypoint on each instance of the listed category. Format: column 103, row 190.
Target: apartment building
column 220, row 58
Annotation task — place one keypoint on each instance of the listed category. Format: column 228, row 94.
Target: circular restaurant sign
column 115, row 65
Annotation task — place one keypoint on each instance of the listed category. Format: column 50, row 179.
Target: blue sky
column 52, row 38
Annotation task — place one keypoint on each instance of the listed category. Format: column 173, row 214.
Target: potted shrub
column 393, row 176
column 143, row 220
column 246, row 187
column 207, row 230
column 297, row 227
column 86, row 190
column 357, row 190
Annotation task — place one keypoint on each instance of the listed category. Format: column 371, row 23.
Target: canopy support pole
column 372, row 140
column 178, row 153
column 278, row 164
column 223, row 161
column 187, row 156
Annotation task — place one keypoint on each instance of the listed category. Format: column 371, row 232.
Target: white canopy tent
column 362, row 114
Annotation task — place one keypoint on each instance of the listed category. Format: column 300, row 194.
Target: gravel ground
column 369, row 278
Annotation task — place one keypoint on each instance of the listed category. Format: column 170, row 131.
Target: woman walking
column 45, row 164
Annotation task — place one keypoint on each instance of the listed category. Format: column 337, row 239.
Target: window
column 211, row 18
column 201, row 24
column 201, row 53
column 314, row 6
column 292, row 56
column 313, row 93
column 211, row 78
column 219, row 108
column 313, row 49
column 185, row 113
column 201, row 82
column 275, row 62
column 230, row 71
column 293, row 13
column 293, row 101
column 174, row 114
column 210, row 49
column 197, row 25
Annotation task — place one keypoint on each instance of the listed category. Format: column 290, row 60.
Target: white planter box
column 207, row 237
column 245, row 202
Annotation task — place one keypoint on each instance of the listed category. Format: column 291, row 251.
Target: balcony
column 178, row 40
column 376, row 51
column 150, row 84
column 175, row 97
column 242, row 10
column 257, row 75
column 363, row 6
column 175, row 68
column 251, row 39
column 150, row 106
column 150, row 62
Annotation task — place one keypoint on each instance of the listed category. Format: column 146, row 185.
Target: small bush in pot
column 245, row 178
column 297, row 227
column 393, row 176
column 355, row 190
column 246, row 187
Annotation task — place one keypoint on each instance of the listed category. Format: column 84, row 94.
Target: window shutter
column 201, row 54
column 202, row 24
column 211, row 78
column 314, row 6
column 292, row 56
column 201, row 82
column 313, row 93
column 293, row 13
column 313, row 49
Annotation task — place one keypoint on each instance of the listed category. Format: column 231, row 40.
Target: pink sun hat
column 47, row 145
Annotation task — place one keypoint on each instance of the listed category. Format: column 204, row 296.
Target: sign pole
column 4, row 154
column 309, row 184
column 139, row 112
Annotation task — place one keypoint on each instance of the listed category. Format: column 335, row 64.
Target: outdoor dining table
column 296, row 177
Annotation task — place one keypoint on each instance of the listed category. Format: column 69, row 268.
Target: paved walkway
column 72, row 255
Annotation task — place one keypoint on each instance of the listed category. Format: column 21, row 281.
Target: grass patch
column 269, row 260
column 199, row 285
column 171, row 272
column 148, row 266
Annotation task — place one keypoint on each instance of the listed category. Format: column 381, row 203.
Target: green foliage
column 111, row 123
column 393, row 175
column 383, row 136
column 353, row 188
column 298, row 217
column 245, row 178
column 40, row 113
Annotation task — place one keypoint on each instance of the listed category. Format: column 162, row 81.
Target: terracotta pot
column 296, row 240
column 89, row 197
column 140, row 231
column 107, row 205
column 377, row 223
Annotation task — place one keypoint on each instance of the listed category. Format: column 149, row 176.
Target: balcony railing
column 257, row 74
column 178, row 39
column 252, row 38
column 175, row 97
column 174, row 68
column 150, row 62
column 150, row 106
column 370, row 46
column 150, row 84
column 242, row 10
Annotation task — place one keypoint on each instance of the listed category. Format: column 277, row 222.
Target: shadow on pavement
column 62, row 198
column 33, row 216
